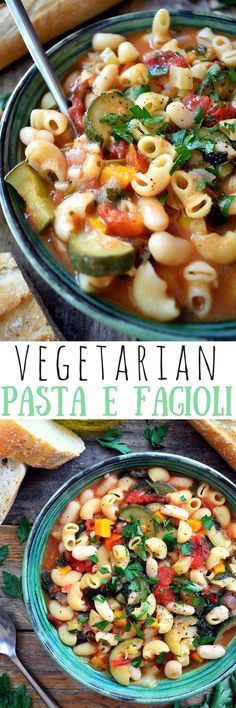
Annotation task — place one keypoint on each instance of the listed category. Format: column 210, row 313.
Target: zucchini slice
column 142, row 515
column 121, row 672
column 111, row 102
column 34, row 190
column 96, row 253
column 228, row 624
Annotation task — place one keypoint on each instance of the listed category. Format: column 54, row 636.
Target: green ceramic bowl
column 26, row 97
column 192, row 682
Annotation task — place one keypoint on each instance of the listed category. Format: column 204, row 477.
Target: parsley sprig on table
column 112, row 439
column 122, row 125
column 156, row 435
column 24, row 529
column 4, row 550
column 12, row 586
column 13, row 697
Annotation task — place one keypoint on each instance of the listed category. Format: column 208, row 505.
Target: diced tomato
column 165, row 575
column 134, row 158
column 115, row 150
column 164, row 595
column 140, row 497
column 200, row 551
column 121, row 223
column 112, row 541
column 214, row 112
column 120, row 662
column 57, row 623
column 89, row 525
column 81, row 566
column 77, row 109
column 162, row 60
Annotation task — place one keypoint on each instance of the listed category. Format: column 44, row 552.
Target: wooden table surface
column 72, row 324
column 38, row 486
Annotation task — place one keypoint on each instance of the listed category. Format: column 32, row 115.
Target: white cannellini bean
column 84, row 552
column 71, row 513
column 151, row 568
column 86, row 495
column 180, row 609
column 208, row 651
column 217, row 614
column 174, row 511
column 181, row 482
column 173, row 669
column 158, row 474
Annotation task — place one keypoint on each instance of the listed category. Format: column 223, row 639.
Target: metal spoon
column 8, row 648
column 41, row 60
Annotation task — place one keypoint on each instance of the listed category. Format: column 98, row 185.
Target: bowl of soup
column 129, row 577
column 133, row 221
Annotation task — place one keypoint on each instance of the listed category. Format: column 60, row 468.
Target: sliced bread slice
column 221, row 434
column 11, row 475
column 38, row 443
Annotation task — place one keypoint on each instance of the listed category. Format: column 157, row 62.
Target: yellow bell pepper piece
column 219, row 568
column 159, row 515
column 195, row 524
column 102, row 527
column 97, row 223
column 119, row 619
column 122, row 173
column 196, row 657
column 64, row 570
column 99, row 662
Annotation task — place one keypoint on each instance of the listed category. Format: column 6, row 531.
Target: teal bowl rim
column 38, row 256
column 192, row 682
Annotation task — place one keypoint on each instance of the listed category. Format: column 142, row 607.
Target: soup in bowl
column 140, row 208
column 137, row 579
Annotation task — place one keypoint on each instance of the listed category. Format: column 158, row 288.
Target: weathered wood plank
column 72, row 324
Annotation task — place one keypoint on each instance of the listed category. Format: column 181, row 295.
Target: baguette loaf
column 38, row 443
column 221, row 434
column 21, row 316
column 50, row 19
column 11, row 476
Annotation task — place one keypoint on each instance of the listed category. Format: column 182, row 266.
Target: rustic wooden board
column 74, row 325
column 38, row 486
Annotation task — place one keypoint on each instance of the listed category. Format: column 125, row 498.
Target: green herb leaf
column 225, row 204
column 24, row 529
column 94, row 559
column 104, row 571
column 13, row 697
column 161, row 658
column 162, row 197
column 139, row 632
column 136, row 661
column 102, row 625
column 112, row 440
column 197, row 641
column 4, row 550
column 190, row 586
column 114, row 195
column 158, row 70
column 99, row 598
column 207, row 522
column 170, row 540
column 186, row 548
column 135, row 91
column 155, row 436
column 12, row 586
column 83, row 619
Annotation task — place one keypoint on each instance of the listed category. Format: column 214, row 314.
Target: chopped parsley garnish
column 170, row 540
column 207, row 522
column 205, row 639
column 83, row 619
column 139, row 632
column 158, row 70
column 99, row 598
column 123, row 124
column 225, row 204
column 102, row 625
column 94, row 559
column 161, row 658
column 186, row 548
column 136, row 661
column 214, row 74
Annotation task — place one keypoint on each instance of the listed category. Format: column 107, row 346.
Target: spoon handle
column 47, row 700
column 40, row 58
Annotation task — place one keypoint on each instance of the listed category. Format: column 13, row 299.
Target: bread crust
column 26, row 446
column 221, row 434
column 50, row 19
column 11, row 476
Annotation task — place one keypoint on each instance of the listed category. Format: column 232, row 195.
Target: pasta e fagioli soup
column 139, row 575
column 141, row 206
